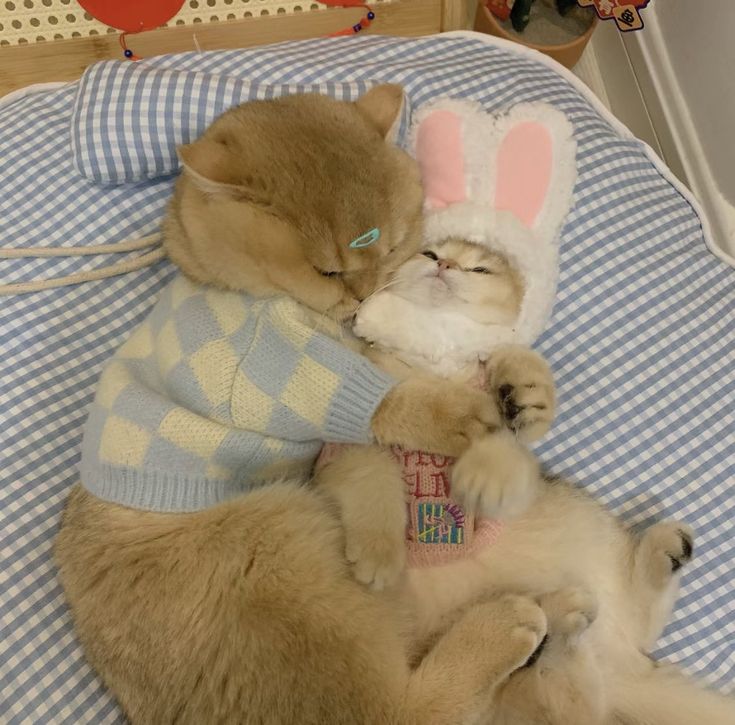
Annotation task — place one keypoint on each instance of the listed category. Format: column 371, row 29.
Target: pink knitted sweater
column 438, row 531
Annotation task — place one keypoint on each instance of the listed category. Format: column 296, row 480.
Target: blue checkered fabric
column 129, row 118
column 641, row 342
column 216, row 393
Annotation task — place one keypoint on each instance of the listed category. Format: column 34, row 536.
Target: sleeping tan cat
column 244, row 610
column 605, row 593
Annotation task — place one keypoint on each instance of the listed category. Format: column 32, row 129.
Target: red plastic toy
column 499, row 8
column 135, row 16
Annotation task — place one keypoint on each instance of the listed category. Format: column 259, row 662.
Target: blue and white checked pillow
column 128, row 118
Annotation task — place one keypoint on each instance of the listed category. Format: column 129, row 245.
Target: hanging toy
column 135, row 16
column 132, row 16
column 625, row 12
column 357, row 27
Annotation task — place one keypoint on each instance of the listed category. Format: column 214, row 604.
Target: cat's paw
column 377, row 557
column 523, row 386
column 506, row 630
column 525, row 623
column 345, row 309
column 569, row 611
column 496, row 477
column 664, row 549
column 429, row 414
column 366, row 484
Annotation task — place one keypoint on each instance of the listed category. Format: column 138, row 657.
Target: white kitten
column 448, row 307
column 605, row 593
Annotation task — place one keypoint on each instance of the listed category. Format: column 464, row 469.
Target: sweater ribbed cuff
column 351, row 411
column 157, row 490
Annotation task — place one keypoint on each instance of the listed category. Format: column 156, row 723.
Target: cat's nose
column 447, row 264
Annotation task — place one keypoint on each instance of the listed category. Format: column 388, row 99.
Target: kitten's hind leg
column 659, row 695
column 569, row 612
column 367, row 485
column 563, row 682
column 660, row 555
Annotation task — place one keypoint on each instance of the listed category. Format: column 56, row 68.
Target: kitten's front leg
column 496, row 477
column 523, row 386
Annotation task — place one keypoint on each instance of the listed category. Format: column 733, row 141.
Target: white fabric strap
column 112, row 270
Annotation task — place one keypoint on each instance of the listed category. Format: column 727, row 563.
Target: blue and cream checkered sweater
column 217, row 392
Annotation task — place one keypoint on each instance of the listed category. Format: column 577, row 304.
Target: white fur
column 598, row 674
column 443, row 341
column 536, row 262
column 557, row 545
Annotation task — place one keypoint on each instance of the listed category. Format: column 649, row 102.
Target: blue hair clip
column 365, row 240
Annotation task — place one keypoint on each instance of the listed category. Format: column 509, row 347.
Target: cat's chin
column 431, row 337
column 429, row 292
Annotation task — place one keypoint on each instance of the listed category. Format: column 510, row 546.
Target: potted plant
column 559, row 28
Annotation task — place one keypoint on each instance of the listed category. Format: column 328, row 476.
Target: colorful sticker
column 624, row 12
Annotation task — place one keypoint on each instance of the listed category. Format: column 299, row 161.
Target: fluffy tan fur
column 274, row 191
column 270, row 198
column 248, row 612
column 606, row 595
column 367, row 484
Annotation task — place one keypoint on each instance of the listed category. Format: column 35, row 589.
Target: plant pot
column 566, row 53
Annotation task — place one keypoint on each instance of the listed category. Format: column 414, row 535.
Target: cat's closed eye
column 481, row 270
column 431, row 255
column 324, row 273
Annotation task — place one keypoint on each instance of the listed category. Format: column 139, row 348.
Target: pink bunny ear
column 439, row 153
column 524, row 165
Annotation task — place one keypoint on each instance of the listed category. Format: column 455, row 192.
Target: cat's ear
column 206, row 163
column 381, row 106
column 534, row 167
column 438, row 147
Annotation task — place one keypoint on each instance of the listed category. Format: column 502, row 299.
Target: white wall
column 700, row 42
column 684, row 62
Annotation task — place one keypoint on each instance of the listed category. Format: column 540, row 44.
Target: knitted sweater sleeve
column 299, row 384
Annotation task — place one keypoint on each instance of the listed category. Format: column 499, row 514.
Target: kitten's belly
column 563, row 540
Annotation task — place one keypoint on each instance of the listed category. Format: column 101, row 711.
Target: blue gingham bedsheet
column 642, row 344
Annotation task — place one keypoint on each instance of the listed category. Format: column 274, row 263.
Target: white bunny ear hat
column 502, row 181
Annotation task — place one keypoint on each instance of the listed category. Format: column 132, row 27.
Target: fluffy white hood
column 482, row 197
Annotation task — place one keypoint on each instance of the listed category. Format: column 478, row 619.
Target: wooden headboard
column 65, row 60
